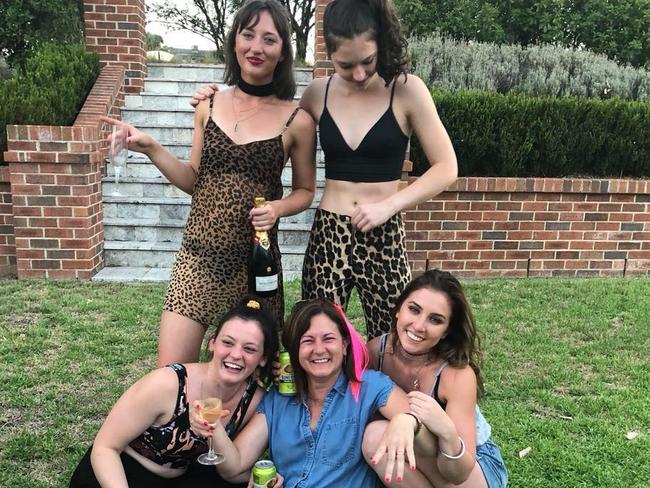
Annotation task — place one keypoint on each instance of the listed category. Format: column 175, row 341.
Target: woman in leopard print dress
column 243, row 137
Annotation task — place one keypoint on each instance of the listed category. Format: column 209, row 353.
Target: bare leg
column 426, row 475
column 180, row 339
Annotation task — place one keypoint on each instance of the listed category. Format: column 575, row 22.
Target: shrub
column 50, row 89
column 520, row 136
column 545, row 70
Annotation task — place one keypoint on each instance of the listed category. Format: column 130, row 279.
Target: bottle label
column 266, row 283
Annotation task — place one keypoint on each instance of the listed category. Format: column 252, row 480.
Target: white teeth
column 233, row 366
column 319, row 361
column 413, row 337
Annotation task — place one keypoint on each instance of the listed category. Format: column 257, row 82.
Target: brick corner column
column 55, row 176
column 7, row 240
column 115, row 29
column 322, row 64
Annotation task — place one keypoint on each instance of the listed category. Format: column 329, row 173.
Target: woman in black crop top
column 366, row 113
column 146, row 439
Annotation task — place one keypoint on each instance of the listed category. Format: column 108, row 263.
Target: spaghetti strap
column 211, row 100
column 327, row 90
column 293, row 114
column 392, row 92
column 382, row 350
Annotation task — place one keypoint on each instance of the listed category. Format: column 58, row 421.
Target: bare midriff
column 342, row 197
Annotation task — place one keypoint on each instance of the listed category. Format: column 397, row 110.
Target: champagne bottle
column 262, row 268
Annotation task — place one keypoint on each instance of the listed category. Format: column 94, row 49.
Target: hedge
column 49, row 90
column 520, row 136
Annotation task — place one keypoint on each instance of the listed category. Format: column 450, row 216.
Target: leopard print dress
column 210, row 275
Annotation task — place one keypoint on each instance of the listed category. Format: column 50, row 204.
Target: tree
column 207, row 18
column 620, row 29
column 28, row 23
column 154, row 41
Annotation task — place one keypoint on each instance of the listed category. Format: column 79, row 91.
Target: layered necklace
column 253, row 90
column 407, row 357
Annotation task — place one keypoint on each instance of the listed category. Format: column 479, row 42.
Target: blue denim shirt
column 330, row 455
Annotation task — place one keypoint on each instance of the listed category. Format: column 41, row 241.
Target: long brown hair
column 461, row 345
column 298, row 324
column 346, row 19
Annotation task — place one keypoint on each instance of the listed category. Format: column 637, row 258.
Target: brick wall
column 55, row 181
column 322, row 65
column 485, row 227
column 115, row 29
column 7, row 245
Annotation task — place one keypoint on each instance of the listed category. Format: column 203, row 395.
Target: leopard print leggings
column 339, row 258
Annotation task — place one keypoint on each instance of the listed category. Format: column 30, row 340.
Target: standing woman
column 243, row 136
column 366, row 113
column 432, row 353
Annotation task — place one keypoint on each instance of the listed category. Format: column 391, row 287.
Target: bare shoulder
column 458, row 379
column 411, row 86
column 159, row 382
column 314, row 95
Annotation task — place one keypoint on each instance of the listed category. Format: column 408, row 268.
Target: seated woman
column 146, row 439
column 431, row 352
column 314, row 438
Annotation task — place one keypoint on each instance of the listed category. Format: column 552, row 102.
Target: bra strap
column 239, row 413
column 327, row 90
column 392, row 92
column 382, row 350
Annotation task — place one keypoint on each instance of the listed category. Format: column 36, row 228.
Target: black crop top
column 379, row 157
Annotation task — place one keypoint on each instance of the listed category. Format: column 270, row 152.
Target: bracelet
column 418, row 423
column 460, row 454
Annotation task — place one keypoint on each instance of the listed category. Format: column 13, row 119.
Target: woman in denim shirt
column 432, row 352
column 314, row 438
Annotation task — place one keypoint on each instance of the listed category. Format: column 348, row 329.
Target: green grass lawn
column 565, row 368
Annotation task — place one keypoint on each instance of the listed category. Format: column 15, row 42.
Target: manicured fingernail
column 373, row 461
column 412, row 468
column 399, row 478
column 387, row 479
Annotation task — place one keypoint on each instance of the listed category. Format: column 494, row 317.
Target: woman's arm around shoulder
column 313, row 98
column 416, row 102
column 142, row 405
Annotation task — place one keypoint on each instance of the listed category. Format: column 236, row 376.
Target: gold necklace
column 238, row 118
column 412, row 358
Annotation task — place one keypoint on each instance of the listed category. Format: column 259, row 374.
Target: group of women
column 410, row 395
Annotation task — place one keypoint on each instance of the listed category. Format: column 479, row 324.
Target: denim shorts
column 489, row 459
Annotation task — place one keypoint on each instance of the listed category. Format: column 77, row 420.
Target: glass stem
column 210, row 451
column 117, row 179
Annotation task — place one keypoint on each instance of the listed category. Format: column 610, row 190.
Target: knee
column 372, row 437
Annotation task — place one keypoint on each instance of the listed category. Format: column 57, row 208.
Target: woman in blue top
column 432, row 352
column 314, row 438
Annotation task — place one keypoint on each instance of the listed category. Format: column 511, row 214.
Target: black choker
column 256, row 90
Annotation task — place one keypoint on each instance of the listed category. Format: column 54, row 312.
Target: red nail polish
column 399, row 478
column 413, row 468
column 387, row 480
column 373, row 461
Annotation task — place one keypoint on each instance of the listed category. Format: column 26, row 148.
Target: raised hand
column 136, row 140
column 203, row 93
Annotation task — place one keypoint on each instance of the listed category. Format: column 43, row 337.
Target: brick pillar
column 55, row 175
column 115, row 29
column 7, row 241
column 322, row 65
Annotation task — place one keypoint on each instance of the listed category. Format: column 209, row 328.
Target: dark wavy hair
column 461, row 345
column 248, row 16
column 267, row 324
column 346, row 19
column 298, row 323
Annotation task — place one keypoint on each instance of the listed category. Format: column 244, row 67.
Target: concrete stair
column 143, row 225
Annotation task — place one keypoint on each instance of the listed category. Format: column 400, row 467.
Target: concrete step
column 183, row 87
column 150, row 230
column 163, row 254
column 165, row 209
column 139, row 166
column 206, row 71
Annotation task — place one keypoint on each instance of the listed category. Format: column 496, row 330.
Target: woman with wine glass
column 243, row 137
column 314, row 438
column 432, row 352
column 146, row 439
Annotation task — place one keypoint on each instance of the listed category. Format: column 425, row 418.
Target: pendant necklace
column 238, row 119
column 408, row 357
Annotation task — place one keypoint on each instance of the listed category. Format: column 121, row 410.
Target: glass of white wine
column 210, row 410
column 118, row 153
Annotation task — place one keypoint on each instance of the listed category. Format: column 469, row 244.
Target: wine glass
column 210, row 410
column 118, row 153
